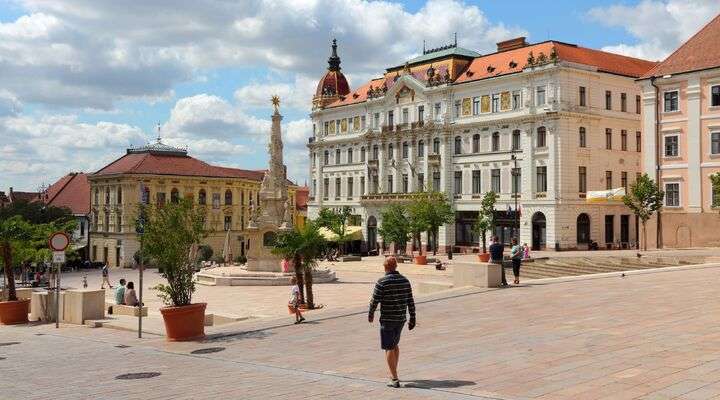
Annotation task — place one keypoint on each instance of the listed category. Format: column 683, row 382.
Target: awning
column 605, row 196
column 351, row 232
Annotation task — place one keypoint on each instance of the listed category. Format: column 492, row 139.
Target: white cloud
column 659, row 26
column 297, row 94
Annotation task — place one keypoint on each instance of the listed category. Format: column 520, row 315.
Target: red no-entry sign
column 59, row 241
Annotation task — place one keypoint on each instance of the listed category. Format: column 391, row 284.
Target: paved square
column 649, row 336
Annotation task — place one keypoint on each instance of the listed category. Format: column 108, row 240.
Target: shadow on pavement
column 232, row 337
column 437, row 384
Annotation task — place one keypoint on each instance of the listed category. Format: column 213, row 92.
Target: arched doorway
column 371, row 233
column 538, row 231
column 583, row 230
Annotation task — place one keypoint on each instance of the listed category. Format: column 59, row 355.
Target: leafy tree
column 304, row 245
column 336, row 222
column 37, row 212
column 395, row 226
column 172, row 233
column 486, row 217
column 715, row 180
column 205, row 253
column 429, row 211
column 644, row 199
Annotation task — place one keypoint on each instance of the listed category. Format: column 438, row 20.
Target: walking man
column 105, row 277
column 496, row 256
column 394, row 294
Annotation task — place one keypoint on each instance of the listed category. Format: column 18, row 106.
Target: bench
column 121, row 309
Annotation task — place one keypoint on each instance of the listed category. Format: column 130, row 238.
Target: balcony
column 380, row 198
column 401, row 127
column 434, row 159
column 540, row 195
column 416, row 125
column 373, row 164
column 386, row 128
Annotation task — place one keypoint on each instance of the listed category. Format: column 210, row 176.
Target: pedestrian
column 516, row 253
column 285, row 265
column 496, row 257
column 120, row 293
column 294, row 303
column 526, row 251
column 394, row 294
column 105, row 277
column 130, row 298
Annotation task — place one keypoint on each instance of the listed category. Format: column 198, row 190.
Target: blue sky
column 80, row 80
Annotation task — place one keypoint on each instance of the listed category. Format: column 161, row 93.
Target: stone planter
column 484, row 257
column 14, row 312
column 185, row 322
column 421, row 260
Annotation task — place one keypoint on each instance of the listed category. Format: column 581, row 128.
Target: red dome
column 333, row 83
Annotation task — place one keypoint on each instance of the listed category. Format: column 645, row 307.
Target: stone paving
column 646, row 336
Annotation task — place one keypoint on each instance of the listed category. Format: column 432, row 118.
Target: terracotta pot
column 484, row 257
column 14, row 312
column 184, row 322
column 421, row 260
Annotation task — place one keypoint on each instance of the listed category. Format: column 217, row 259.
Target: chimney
column 511, row 44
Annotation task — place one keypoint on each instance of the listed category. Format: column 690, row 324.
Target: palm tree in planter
column 172, row 234
column 304, row 245
column 486, row 221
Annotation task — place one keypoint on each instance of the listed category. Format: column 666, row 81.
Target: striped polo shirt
column 394, row 294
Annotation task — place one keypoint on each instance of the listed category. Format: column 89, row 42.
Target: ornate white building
column 539, row 124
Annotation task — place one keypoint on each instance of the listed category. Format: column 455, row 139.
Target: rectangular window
column 608, row 100
column 672, row 195
column 516, row 180
column 457, row 109
column 637, row 104
column 314, row 188
column 337, row 156
column 405, row 116
column 390, row 184
column 436, row 181
column 540, row 96
column 420, row 182
column 362, row 185
column 516, row 140
column 638, row 141
column 405, row 183
column 715, row 143
column 670, row 101
column 405, row 150
column 583, row 98
column 327, row 128
column 715, row 96
column 495, row 103
column 582, row 137
column 391, row 118
column 516, row 103
column 541, row 179
column 436, row 146
column 215, row 200
column 623, row 180
column 362, row 122
column 671, row 146
column 476, row 182
column 227, row 225
column 495, row 180
column 338, row 187
column 350, row 184
column 608, row 138
column 421, row 113
column 326, row 188
column 623, row 102
column 608, row 180
column 623, row 140
column 376, row 120
column 337, row 126
column 582, row 179
column 437, row 111
column 458, row 182
column 350, row 155
column 362, row 154
column 476, row 105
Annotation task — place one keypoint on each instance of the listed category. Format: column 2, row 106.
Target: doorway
column 583, row 230
column 371, row 233
column 538, row 231
column 609, row 231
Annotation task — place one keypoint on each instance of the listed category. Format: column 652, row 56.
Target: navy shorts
column 390, row 334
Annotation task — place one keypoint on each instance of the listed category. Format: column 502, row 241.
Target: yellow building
column 167, row 174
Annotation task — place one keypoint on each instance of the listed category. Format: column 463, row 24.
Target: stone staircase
column 572, row 266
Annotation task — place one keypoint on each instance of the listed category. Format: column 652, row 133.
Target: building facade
column 72, row 191
column 539, row 124
column 681, row 114
column 166, row 174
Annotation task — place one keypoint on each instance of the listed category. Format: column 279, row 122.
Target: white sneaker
column 394, row 383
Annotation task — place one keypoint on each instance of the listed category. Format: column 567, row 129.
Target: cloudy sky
column 81, row 80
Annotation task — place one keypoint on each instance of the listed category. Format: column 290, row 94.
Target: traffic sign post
column 140, row 230
column 58, row 242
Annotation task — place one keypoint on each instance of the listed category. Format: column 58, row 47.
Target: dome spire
column 334, row 60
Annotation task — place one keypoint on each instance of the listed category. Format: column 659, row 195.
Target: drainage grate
column 122, row 346
column 138, row 375
column 8, row 343
column 208, row 350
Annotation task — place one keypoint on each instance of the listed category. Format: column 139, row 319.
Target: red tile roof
column 515, row 60
column 149, row 163
column 301, row 197
column 702, row 51
column 23, row 196
column 71, row 191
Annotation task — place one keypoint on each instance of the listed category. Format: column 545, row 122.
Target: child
column 526, row 251
column 294, row 304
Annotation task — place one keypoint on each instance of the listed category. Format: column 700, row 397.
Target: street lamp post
column 515, row 196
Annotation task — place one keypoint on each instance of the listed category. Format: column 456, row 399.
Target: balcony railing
column 434, row 158
column 540, row 195
column 384, row 197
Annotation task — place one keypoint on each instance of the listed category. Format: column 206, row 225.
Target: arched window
column 202, row 197
column 436, row 146
column 421, row 148
column 458, row 145
column 496, row 141
column 174, row 196
column 326, row 157
column 390, row 151
column 582, row 137
column 476, row 143
column 541, row 137
column 228, row 197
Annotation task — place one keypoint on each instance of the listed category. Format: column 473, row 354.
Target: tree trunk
column 484, row 239
column 644, row 237
column 310, row 301
column 297, row 265
column 435, row 243
column 9, row 275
